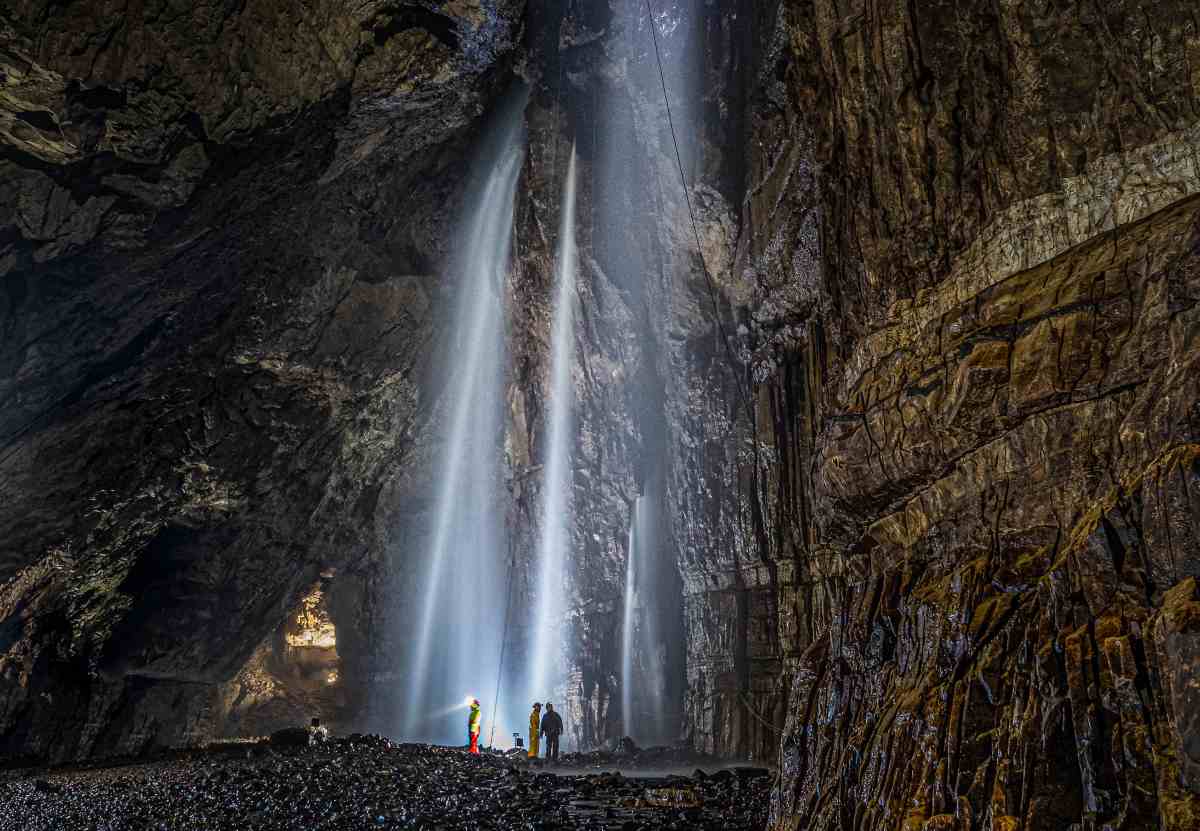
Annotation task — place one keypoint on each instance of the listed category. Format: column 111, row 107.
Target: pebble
column 370, row 782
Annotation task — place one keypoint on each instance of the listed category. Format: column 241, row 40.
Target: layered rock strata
column 970, row 234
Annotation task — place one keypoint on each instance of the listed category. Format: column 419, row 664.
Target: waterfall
column 649, row 644
column 636, row 183
column 556, row 486
column 643, row 661
column 462, row 611
column 630, row 618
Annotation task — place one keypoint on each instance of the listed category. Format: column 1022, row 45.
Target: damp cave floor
column 368, row 782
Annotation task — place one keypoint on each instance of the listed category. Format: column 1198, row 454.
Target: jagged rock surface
column 970, row 235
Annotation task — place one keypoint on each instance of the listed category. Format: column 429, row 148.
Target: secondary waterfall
column 457, row 637
column 627, row 624
column 649, row 645
column 643, row 660
column 635, row 182
column 556, row 486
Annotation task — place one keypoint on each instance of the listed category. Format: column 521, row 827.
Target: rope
column 712, row 292
column 512, row 569
column 751, row 711
column 712, row 284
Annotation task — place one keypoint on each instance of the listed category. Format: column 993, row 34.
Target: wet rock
column 290, row 737
column 951, row 607
column 1177, row 635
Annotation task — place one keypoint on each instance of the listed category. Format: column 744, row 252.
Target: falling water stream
column 458, row 623
column 647, row 548
column 643, row 710
column 636, row 168
column 545, row 667
column 457, row 638
column 630, row 618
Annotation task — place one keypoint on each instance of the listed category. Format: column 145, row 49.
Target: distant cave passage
column 311, row 638
column 293, row 676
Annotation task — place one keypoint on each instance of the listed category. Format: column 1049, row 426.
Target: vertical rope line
column 712, row 294
column 512, row 568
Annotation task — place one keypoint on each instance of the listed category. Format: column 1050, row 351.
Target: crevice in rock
column 414, row 17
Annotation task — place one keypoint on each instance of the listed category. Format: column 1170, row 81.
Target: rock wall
column 969, row 243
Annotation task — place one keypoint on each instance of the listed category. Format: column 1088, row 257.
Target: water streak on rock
column 556, row 488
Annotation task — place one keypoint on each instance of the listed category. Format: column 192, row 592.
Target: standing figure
column 552, row 728
column 473, row 722
column 535, row 721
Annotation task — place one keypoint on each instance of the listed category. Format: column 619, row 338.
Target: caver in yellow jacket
column 473, row 723
column 535, row 724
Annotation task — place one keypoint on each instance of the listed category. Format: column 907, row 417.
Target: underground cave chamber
column 805, row 386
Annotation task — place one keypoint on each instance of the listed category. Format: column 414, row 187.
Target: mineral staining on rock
column 987, row 414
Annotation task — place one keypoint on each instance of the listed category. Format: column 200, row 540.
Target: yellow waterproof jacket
column 535, row 721
column 473, row 724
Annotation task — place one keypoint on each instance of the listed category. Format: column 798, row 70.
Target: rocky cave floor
column 371, row 782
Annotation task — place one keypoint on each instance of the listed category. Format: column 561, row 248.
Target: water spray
column 453, row 642
column 556, row 487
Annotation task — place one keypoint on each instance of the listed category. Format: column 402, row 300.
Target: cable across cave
column 712, row 291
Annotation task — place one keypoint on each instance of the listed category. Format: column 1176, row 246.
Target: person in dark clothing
column 552, row 728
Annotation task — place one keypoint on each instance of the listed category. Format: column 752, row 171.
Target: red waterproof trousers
column 475, row 743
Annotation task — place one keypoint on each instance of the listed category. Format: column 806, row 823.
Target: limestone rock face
column 591, row 94
column 970, row 237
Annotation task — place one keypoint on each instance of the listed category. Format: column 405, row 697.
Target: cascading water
column 556, row 487
column 629, row 621
column 462, row 611
column 636, row 182
column 643, row 661
column 649, row 593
